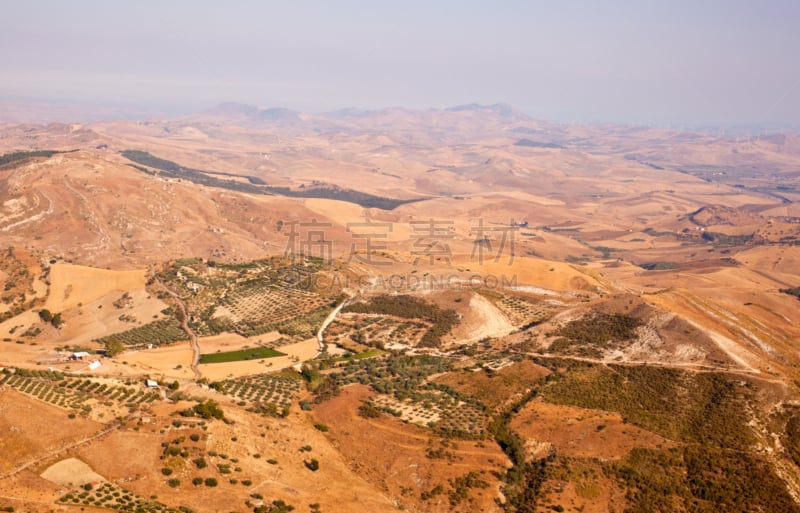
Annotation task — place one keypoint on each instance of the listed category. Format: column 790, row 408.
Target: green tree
column 114, row 347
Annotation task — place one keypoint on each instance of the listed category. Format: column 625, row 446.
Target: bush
column 369, row 410
column 210, row 481
column 174, row 483
column 208, row 409
column 277, row 507
column 312, row 465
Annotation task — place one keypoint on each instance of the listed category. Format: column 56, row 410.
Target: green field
column 256, row 353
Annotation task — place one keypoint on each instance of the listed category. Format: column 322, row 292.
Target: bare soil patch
column 31, row 429
column 583, row 433
column 71, row 472
column 495, row 389
column 403, row 464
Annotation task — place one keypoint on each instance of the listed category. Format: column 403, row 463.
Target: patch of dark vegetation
column 524, row 480
column 659, row 266
column 528, row 143
column 257, row 186
column 655, row 233
column 600, row 328
column 173, row 170
column 700, row 479
column 461, row 486
column 790, row 439
column 644, row 163
column 409, row 307
column 591, row 334
column 723, row 239
column 605, row 250
column 794, row 291
column 18, row 156
column 705, row 408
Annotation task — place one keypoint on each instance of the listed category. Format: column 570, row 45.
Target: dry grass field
column 33, row 429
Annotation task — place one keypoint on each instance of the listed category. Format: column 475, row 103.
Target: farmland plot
column 261, row 390
column 73, row 393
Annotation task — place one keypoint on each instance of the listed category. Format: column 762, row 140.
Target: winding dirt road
column 185, row 325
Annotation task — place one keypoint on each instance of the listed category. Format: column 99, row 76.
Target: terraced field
column 522, row 311
column 74, row 393
column 375, row 330
column 157, row 333
column 406, row 392
column 439, row 410
column 259, row 309
column 250, row 298
column 263, row 389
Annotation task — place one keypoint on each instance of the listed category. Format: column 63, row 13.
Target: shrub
column 208, row 409
column 277, row 507
column 369, row 410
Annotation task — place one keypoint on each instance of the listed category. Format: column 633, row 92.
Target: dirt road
column 185, row 325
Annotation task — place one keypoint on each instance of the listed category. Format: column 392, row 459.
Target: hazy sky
column 672, row 61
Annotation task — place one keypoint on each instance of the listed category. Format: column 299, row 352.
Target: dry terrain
column 518, row 315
